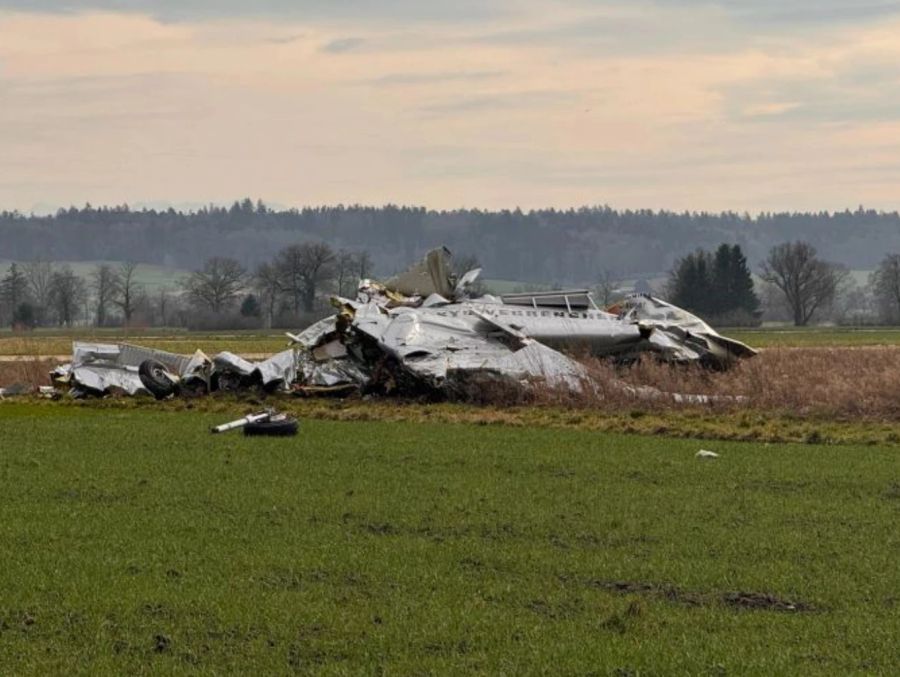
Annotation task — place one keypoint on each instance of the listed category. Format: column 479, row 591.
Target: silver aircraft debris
column 422, row 332
column 268, row 423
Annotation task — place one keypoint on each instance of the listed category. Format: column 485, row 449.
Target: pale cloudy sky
column 683, row 104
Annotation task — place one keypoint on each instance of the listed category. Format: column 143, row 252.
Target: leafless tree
column 130, row 293
column 303, row 268
column 807, row 283
column 885, row 283
column 106, row 285
column 67, row 293
column 217, row 285
column 363, row 265
column 267, row 282
column 606, row 288
column 40, row 275
column 163, row 305
column 344, row 269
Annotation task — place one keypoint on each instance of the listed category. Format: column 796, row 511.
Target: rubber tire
column 153, row 375
column 282, row 427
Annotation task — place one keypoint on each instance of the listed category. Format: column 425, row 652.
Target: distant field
column 59, row 341
column 152, row 278
column 801, row 337
column 136, row 542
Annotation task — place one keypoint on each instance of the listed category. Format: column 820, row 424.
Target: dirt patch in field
column 758, row 601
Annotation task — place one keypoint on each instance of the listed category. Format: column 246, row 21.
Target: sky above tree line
column 706, row 104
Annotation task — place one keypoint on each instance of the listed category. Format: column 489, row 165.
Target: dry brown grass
column 840, row 383
column 29, row 371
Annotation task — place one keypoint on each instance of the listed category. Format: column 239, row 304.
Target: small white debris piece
column 706, row 453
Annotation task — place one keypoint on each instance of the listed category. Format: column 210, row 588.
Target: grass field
column 152, row 278
column 134, row 542
column 811, row 337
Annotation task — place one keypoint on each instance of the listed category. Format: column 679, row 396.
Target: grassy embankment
column 134, row 541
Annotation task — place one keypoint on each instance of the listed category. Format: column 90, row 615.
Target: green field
column 152, row 278
column 812, row 337
column 135, row 542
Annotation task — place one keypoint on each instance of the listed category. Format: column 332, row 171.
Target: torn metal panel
column 432, row 345
column 433, row 275
column 680, row 335
column 105, row 367
column 100, row 368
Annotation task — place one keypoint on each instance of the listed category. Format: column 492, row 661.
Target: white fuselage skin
column 599, row 332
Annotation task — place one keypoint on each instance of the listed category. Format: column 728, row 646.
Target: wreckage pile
column 421, row 332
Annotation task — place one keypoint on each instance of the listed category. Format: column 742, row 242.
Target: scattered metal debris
column 14, row 390
column 420, row 332
column 266, row 423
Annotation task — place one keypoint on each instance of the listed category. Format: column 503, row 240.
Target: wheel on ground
column 277, row 426
column 156, row 379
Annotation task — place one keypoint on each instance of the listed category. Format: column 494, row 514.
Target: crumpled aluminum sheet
column 104, row 367
column 432, row 346
column 680, row 335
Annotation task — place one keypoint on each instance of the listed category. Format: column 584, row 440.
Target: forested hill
column 567, row 247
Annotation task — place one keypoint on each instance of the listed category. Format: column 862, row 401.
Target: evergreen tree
column 741, row 284
column 13, row 290
column 714, row 285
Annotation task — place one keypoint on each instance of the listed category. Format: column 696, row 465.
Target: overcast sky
column 706, row 104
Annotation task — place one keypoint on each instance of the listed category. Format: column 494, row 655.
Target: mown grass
column 135, row 542
column 804, row 337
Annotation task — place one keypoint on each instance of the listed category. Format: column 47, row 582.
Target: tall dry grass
column 841, row 383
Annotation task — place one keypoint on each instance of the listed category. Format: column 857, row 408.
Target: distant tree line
column 290, row 290
column 556, row 246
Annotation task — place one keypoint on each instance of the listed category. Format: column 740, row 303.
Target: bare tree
column 40, row 275
column 363, row 265
column 303, row 268
column 267, row 281
column 130, row 293
column 885, row 282
column 164, row 304
column 106, row 284
column 606, row 288
column 67, row 293
column 344, row 269
column 217, row 285
column 806, row 282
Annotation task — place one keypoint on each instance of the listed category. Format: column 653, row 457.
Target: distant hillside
column 557, row 247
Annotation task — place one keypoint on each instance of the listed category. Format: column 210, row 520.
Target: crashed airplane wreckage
column 422, row 332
